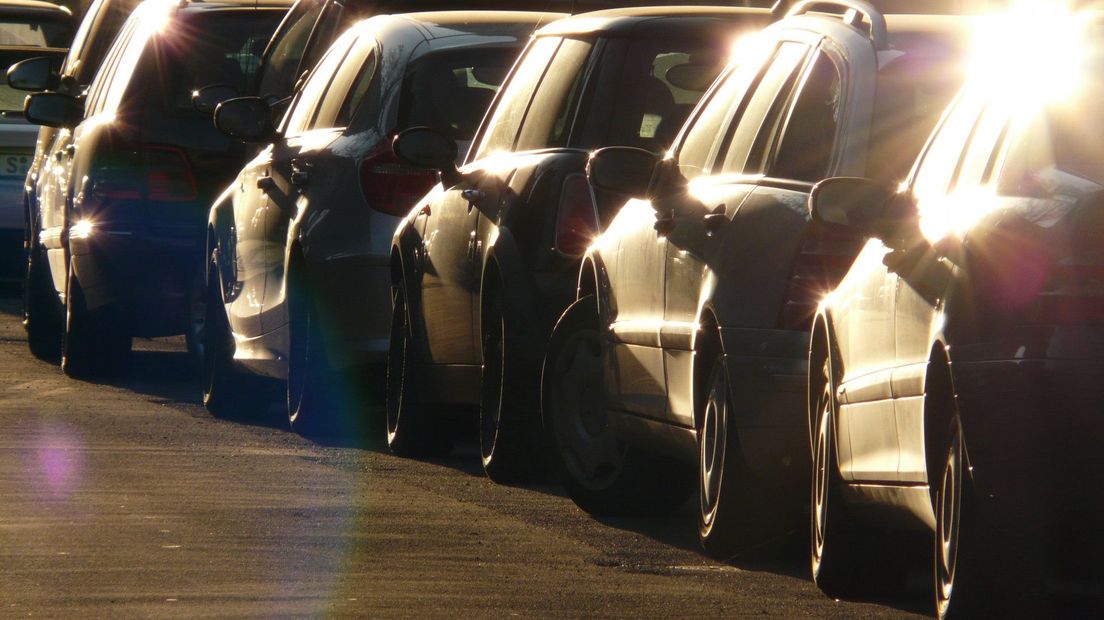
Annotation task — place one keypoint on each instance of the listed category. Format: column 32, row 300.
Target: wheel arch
column 940, row 407
column 708, row 343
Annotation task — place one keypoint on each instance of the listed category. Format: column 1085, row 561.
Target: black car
column 483, row 266
column 121, row 216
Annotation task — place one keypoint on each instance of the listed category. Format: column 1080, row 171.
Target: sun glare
column 1030, row 55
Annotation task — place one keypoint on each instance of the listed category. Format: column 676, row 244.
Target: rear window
column 11, row 100
column 35, row 32
column 644, row 90
column 213, row 47
column 913, row 91
column 452, row 90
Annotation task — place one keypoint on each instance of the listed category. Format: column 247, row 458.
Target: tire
column 227, row 392
column 411, row 427
column 313, row 405
column 96, row 343
column 603, row 474
column 509, row 435
column 960, row 579
column 731, row 515
column 43, row 317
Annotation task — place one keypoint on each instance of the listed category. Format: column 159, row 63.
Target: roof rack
column 852, row 12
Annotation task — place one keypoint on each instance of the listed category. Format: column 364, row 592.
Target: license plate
column 14, row 165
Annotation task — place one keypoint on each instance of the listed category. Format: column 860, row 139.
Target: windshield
column 644, row 90
column 451, row 90
column 35, row 32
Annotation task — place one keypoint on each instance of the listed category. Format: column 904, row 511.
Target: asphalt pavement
column 127, row 499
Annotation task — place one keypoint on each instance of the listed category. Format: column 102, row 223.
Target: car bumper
column 148, row 277
column 768, row 372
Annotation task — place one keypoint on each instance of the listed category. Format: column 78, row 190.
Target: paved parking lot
column 130, row 500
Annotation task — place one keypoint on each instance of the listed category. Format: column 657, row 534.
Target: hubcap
column 712, row 451
column 950, row 510
column 590, row 450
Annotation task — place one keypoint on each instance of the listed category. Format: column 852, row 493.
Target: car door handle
column 266, row 184
column 664, row 225
column 300, row 172
column 716, row 219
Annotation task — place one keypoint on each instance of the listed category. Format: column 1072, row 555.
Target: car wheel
column 508, row 435
column 411, row 428
column 957, row 573
column 42, row 312
column 227, row 392
column 313, row 405
column 602, row 473
column 730, row 516
column 834, row 562
column 96, row 343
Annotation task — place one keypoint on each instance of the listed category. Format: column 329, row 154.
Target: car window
column 644, row 89
column 1056, row 153
column 977, row 164
column 764, row 107
column 362, row 74
column 913, row 90
column 209, row 47
column 941, row 160
column 452, row 90
column 500, row 132
column 97, row 91
column 279, row 72
column 42, row 31
column 547, row 122
column 302, row 114
column 701, row 140
column 805, row 150
column 94, row 38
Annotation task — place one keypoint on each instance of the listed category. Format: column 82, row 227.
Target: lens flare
column 1030, row 55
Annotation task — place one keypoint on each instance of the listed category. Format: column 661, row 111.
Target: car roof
column 648, row 20
column 205, row 5
column 439, row 24
column 11, row 8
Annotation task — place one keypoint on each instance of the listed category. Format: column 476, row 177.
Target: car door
column 702, row 242
column 452, row 269
column 300, row 162
column 951, row 175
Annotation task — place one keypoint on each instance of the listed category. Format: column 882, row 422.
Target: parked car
column 955, row 373
column 28, row 28
column 681, row 366
column 483, row 266
column 120, row 214
column 298, row 247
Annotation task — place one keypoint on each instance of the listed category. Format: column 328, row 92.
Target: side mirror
column 53, row 110
column 427, row 148
column 245, row 118
column 854, row 203
column 206, row 99
column 622, row 170
column 33, row 74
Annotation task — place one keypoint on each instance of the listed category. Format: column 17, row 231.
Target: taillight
column 169, row 176
column 577, row 217
column 152, row 172
column 823, row 260
column 391, row 186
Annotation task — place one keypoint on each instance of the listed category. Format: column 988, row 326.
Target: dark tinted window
column 913, row 91
column 365, row 75
column 1058, row 153
column 213, row 47
column 97, row 30
column 279, row 74
column 805, row 151
column 643, row 91
column 451, row 91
